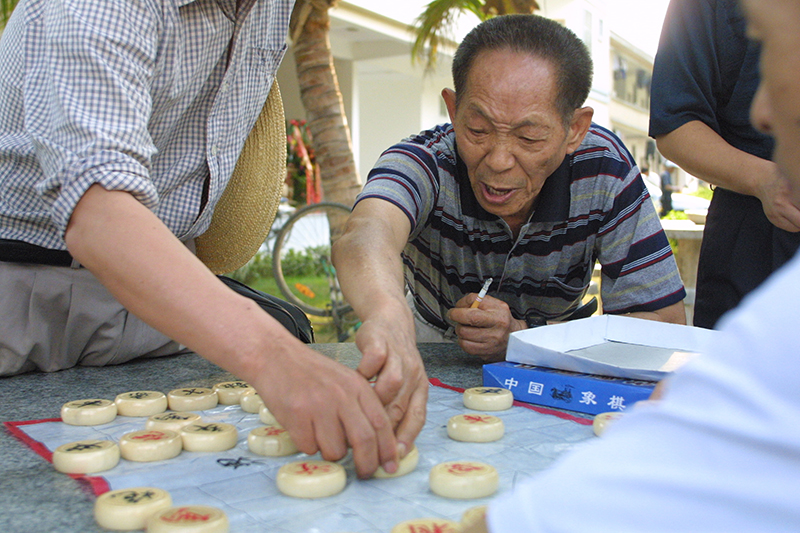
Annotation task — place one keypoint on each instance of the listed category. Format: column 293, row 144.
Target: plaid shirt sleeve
column 125, row 95
column 88, row 118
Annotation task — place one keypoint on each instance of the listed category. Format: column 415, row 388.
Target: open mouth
column 494, row 195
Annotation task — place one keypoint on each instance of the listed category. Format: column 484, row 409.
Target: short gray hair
column 540, row 37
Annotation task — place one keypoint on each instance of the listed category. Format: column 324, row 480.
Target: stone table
column 38, row 499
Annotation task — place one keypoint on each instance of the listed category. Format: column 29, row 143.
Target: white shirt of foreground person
column 721, row 452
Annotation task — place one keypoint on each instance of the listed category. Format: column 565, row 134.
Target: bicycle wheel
column 282, row 215
column 301, row 259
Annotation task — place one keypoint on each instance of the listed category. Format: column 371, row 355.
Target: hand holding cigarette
column 482, row 293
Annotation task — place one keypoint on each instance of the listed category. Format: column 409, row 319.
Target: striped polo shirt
column 594, row 207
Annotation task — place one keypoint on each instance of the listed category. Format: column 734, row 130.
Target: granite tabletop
column 35, row 498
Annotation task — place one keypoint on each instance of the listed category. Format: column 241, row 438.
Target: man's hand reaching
column 390, row 355
column 327, row 407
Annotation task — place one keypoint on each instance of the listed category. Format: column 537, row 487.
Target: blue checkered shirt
column 152, row 97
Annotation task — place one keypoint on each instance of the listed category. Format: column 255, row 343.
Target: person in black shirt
column 704, row 77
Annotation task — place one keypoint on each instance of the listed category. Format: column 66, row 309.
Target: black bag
column 289, row 315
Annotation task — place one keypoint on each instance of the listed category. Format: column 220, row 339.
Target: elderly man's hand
column 327, row 407
column 389, row 354
column 484, row 330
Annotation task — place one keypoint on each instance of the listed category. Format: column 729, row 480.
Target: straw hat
column 244, row 214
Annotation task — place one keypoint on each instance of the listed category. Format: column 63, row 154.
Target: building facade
column 386, row 97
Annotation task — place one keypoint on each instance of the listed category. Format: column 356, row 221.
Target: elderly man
column 120, row 126
column 721, row 450
column 521, row 188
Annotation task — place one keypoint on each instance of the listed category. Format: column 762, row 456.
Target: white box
column 608, row 345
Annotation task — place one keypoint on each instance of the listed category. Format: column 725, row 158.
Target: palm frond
column 6, row 8
column 436, row 24
column 492, row 8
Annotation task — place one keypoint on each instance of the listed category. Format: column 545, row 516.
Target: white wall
column 389, row 110
column 395, row 100
column 385, row 100
column 587, row 18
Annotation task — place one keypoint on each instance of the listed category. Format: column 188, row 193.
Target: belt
column 428, row 317
column 24, row 252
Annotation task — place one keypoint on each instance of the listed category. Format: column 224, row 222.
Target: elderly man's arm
column 370, row 271
column 324, row 405
column 675, row 314
column 699, row 150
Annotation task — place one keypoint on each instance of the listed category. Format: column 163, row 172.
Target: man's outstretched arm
column 674, row 314
column 324, row 405
column 370, row 271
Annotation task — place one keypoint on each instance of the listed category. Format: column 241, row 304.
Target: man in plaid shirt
column 120, row 126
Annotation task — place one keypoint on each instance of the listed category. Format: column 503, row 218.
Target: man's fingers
column 473, row 317
column 784, row 224
column 373, row 353
column 337, row 408
column 488, row 353
column 389, row 384
column 788, row 222
column 330, row 436
column 303, row 436
column 414, row 418
column 491, row 313
column 466, row 301
column 369, row 367
column 365, row 428
column 792, row 216
column 660, row 390
column 390, row 355
column 392, row 369
column 481, row 336
column 370, row 434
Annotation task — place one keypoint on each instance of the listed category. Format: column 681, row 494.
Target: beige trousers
column 425, row 331
column 52, row 318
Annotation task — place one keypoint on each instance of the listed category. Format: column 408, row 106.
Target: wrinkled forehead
column 516, row 72
column 509, row 83
column 497, row 62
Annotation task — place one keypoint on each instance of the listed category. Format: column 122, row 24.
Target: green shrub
column 308, row 262
column 260, row 266
column 675, row 215
column 704, row 192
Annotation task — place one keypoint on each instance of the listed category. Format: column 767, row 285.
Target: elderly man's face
column 776, row 108
column 509, row 131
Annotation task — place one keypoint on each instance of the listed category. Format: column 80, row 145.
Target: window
column 631, row 81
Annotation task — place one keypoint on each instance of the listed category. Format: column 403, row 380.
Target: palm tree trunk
column 322, row 100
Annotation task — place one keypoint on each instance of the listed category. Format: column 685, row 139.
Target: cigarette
column 481, row 294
